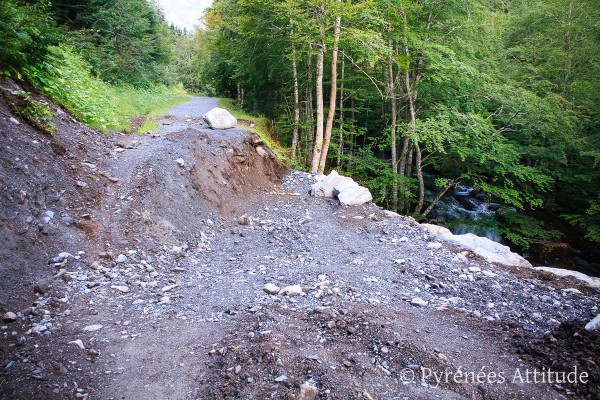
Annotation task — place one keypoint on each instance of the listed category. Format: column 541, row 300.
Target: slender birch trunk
column 332, row 95
column 318, row 147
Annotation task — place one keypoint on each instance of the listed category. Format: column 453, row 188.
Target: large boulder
column 219, row 118
column 348, row 192
column 352, row 194
column 325, row 187
column 593, row 282
column 486, row 248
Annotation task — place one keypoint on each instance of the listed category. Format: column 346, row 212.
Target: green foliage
column 66, row 78
column 378, row 176
column 125, row 41
column 36, row 112
column 522, row 229
column 26, row 31
column 589, row 221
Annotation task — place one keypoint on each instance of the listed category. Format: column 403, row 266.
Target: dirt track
column 174, row 285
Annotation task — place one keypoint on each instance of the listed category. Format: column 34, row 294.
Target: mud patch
column 565, row 349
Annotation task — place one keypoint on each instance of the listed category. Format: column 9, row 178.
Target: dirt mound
column 169, row 186
column 47, row 190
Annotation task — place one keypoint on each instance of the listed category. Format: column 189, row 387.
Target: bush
column 27, row 30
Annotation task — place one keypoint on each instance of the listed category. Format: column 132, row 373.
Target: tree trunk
column 310, row 132
column 341, row 140
column 295, row 134
column 438, row 197
column 393, row 143
column 419, row 167
column 332, row 95
column 318, row 147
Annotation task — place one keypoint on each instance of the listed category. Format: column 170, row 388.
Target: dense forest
column 413, row 98
column 416, row 97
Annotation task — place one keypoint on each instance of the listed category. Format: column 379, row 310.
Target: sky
column 183, row 13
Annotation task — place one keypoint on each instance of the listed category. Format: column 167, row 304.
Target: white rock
column 486, row 248
column 78, row 343
column 219, row 118
column 9, row 316
column 14, row 121
column 593, row 282
column 293, row 290
column 271, row 288
column 399, row 261
column 352, row 195
column 325, row 187
column 122, row 289
column 434, row 245
column 594, row 324
column 489, row 274
column 180, row 162
column 169, row 288
column 121, row 258
column 92, row 328
column 419, row 302
column 436, row 229
column 460, row 258
column 474, row 269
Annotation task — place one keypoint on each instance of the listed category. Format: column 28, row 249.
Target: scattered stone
column 219, row 118
column 281, row 378
column 308, row 391
column 169, row 288
column 460, row 258
column 434, row 245
column 92, row 328
column 121, row 258
column 9, row 317
column 474, row 269
column 78, row 343
column 271, row 288
column 122, row 289
column 56, row 260
column 293, row 290
column 40, row 288
column 180, row 162
column 419, row 302
column 594, row 324
column 244, row 220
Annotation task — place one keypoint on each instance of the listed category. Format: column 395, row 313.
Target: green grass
column 262, row 129
column 67, row 79
column 149, row 125
column 129, row 101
